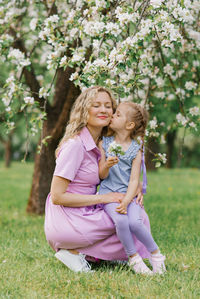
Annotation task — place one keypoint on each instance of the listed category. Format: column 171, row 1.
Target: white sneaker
column 137, row 264
column 157, row 262
column 75, row 262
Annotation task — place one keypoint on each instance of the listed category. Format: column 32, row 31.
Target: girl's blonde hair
column 80, row 112
column 139, row 115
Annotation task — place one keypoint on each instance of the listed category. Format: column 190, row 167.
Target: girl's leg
column 122, row 228
column 138, row 228
column 124, row 234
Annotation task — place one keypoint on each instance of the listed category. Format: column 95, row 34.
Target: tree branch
column 30, row 77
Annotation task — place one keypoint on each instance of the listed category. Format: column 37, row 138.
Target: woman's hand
column 139, row 199
column 113, row 197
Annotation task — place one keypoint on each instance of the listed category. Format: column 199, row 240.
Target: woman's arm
column 59, row 195
column 133, row 184
column 105, row 165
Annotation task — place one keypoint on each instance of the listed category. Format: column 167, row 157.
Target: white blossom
column 192, row 124
column 194, row 110
column 168, row 69
column 162, row 157
column 43, row 93
column 160, row 94
column 181, row 119
column 29, row 100
column 63, row 61
column 156, row 3
column 73, row 76
column 33, row 24
column 153, row 123
column 190, row 85
column 160, row 82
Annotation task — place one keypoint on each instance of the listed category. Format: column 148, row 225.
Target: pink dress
column 88, row 229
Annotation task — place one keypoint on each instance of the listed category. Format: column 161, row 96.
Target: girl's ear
column 130, row 125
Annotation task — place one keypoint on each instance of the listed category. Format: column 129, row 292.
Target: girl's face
column 101, row 111
column 119, row 119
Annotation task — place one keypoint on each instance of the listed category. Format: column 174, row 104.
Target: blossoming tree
column 146, row 51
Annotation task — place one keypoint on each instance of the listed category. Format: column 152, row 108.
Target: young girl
column 122, row 174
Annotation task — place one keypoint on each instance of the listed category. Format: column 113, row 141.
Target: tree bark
column 7, row 143
column 8, row 151
column 170, row 138
column 152, row 147
column 54, row 126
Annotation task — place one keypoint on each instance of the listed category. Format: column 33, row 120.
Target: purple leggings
column 129, row 223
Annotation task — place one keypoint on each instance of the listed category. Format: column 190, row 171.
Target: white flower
column 194, row 110
column 171, row 97
column 156, row 3
column 100, row 3
column 115, row 148
column 153, row 123
column 168, row 69
column 6, row 101
column 100, row 62
column 160, row 82
column 33, row 24
column 192, row 124
column 162, row 158
column 51, row 21
column 17, row 54
column 190, row 85
column 73, row 32
column 43, row 93
column 160, row 94
column 113, row 29
column 18, row 57
column 181, row 119
column 196, row 63
column 10, row 79
column 63, row 61
column 73, row 76
column 29, row 100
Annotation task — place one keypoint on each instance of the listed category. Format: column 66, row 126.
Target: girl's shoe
column 75, row 262
column 157, row 262
column 137, row 264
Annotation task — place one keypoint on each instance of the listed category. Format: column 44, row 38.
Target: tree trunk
column 170, row 138
column 152, row 147
column 54, row 126
column 8, row 151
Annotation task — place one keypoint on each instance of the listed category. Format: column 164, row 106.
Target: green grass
column 28, row 268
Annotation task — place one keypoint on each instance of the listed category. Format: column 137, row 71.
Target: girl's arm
column 59, row 196
column 133, row 184
column 105, row 165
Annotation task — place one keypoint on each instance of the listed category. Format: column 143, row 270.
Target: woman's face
column 101, row 111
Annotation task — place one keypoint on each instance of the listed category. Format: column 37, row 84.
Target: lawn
column 28, row 268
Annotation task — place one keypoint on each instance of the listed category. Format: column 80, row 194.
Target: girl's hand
column 122, row 208
column 140, row 197
column 113, row 197
column 111, row 161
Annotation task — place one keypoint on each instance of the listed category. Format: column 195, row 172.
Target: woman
column 74, row 225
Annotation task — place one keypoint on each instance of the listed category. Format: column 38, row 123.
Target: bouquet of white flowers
column 115, row 149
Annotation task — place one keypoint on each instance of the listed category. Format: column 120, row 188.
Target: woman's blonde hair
column 80, row 112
